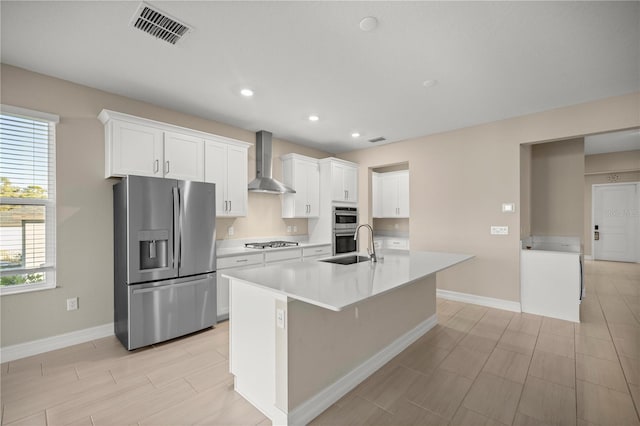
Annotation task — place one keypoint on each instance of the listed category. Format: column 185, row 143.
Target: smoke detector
column 159, row 24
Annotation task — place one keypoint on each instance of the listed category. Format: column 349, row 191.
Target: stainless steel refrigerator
column 164, row 257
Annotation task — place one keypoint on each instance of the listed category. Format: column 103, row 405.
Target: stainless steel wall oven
column 345, row 223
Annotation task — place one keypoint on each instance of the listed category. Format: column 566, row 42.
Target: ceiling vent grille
column 378, row 139
column 159, row 24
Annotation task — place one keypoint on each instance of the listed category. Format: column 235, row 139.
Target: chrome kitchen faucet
column 370, row 251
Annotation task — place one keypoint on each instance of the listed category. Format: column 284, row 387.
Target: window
column 28, row 200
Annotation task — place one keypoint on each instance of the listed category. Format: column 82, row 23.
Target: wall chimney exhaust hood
column 264, row 182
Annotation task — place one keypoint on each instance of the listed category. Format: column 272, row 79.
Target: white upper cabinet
column 303, row 175
column 142, row 147
column 344, row 180
column 183, row 157
column 137, row 146
column 376, row 194
column 134, row 149
column 226, row 166
column 391, row 194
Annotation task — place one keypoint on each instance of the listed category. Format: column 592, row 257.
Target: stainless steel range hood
column 263, row 181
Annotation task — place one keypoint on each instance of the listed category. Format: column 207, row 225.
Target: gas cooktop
column 271, row 244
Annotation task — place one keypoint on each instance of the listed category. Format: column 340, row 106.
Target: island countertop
column 335, row 287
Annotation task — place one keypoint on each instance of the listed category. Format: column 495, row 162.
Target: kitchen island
column 302, row 334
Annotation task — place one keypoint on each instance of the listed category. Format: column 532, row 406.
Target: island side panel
column 326, row 345
column 253, row 343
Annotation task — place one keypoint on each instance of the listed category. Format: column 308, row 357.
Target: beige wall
column 461, row 178
column 557, row 181
column 525, row 191
column 84, row 204
column 387, row 225
column 613, row 162
column 600, row 169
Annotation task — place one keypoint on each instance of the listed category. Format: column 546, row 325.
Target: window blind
column 27, row 193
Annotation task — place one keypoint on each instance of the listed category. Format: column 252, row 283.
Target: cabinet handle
column 229, row 205
column 168, row 168
column 241, row 260
column 225, row 205
column 156, row 166
column 319, row 251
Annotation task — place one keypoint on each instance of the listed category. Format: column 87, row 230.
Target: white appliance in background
column 552, row 277
column 164, row 259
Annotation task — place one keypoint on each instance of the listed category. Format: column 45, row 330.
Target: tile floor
column 478, row 366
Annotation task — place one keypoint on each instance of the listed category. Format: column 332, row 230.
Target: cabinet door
column 351, row 183
column 300, row 174
column 337, row 183
column 313, row 189
column 237, row 181
column 136, row 150
column 183, row 157
column 389, row 196
column 376, row 194
column 403, row 194
column 215, row 171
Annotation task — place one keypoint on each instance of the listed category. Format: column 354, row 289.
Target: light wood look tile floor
column 478, row 366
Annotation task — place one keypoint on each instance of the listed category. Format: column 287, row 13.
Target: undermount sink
column 347, row 260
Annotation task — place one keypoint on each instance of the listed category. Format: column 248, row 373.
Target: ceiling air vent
column 378, row 139
column 159, row 24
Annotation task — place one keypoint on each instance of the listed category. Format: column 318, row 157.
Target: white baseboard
column 35, row 347
column 312, row 408
column 489, row 302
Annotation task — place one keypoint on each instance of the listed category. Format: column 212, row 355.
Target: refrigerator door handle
column 165, row 287
column 177, row 240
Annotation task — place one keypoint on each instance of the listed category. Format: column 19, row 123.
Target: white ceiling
column 492, row 60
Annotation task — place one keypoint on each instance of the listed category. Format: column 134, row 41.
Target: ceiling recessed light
column 369, row 23
column 313, row 117
column 246, row 92
column 429, row 83
column 355, row 135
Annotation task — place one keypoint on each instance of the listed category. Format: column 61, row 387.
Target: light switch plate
column 508, row 208
column 280, row 320
column 499, row 230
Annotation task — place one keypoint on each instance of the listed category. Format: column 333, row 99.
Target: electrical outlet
column 499, row 230
column 295, row 228
column 230, row 231
column 72, row 304
column 289, row 228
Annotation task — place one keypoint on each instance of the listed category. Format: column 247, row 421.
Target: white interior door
column 616, row 222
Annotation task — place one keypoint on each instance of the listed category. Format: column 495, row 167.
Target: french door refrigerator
column 164, row 259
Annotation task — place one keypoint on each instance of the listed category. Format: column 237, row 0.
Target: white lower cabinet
column 396, row 243
column 260, row 258
column 226, row 263
column 391, row 243
column 316, row 252
column 283, row 255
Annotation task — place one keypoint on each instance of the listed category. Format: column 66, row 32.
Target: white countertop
column 335, row 287
column 236, row 251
